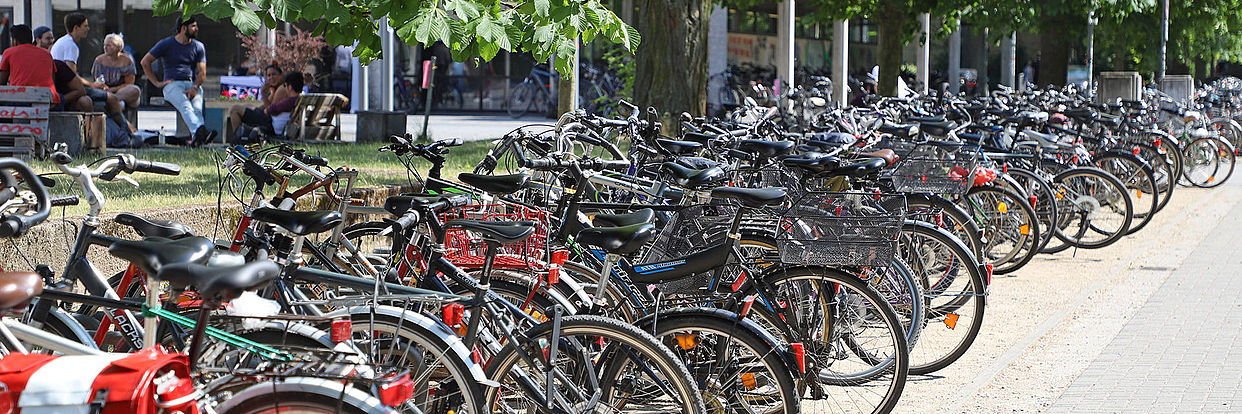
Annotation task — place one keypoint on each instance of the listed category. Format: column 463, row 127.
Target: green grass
column 199, row 181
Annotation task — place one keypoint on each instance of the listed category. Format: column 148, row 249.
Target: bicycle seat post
column 149, row 322
column 610, row 260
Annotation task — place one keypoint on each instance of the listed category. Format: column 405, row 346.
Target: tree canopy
column 470, row 28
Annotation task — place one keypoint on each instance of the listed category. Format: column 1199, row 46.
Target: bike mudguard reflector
column 110, row 383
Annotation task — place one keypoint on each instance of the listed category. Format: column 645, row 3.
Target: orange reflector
column 748, row 380
column 1024, row 230
column 1060, row 195
column 799, row 355
column 687, row 341
column 1138, row 193
column 1002, row 207
column 1212, row 178
column 950, row 320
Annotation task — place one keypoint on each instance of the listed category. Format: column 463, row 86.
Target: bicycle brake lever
column 126, row 178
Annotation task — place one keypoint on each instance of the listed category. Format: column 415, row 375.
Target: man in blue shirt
column 184, row 61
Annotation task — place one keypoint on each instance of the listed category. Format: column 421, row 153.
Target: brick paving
column 1182, row 351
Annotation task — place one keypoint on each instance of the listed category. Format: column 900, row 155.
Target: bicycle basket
column 688, row 231
column 852, row 229
column 469, row 251
column 935, row 171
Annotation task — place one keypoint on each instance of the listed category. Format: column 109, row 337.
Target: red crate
column 468, row 250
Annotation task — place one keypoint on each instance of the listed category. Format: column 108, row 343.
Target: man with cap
column 43, row 37
column 184, row 60
column 25, row 64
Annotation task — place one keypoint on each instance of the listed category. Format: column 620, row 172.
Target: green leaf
column 315, row 8
column 286, row 10
column 464, row 9
column 632, row 38
column 165, row 7
column 439, row 26
column 546, row 34
column 246, row 20
column 488, row 50
column 219, row 9
column 490, row 31
column 541, row 7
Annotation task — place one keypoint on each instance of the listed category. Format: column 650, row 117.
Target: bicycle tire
column 946, row 296
column 1138, row 177
column 619, row 334
column 1073, row 205
column 302, row 395
column 521, row 99
column 1196, row 162
column 1163, row 170
column 1045, row 205
column 956, row 220
column 671, row 329
column 1002, row 223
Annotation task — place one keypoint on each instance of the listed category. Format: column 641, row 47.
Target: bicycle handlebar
column 595, row 164
column 14, row 225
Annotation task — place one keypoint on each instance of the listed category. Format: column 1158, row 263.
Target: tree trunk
column 1201, row 68
column 1055, row 39
column 891, row 21
column 671, row 62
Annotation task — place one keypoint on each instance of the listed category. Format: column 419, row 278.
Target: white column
column 785, row 44
column 41, row 14
column 717, row 52
column 924, row 54
column 386, row 65
column 19, row 13
column 955, row 58
column 840, row 61
column 358, row 90
column 1009, row 60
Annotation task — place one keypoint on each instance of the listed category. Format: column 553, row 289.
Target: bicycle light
column 342, row 330
column 453, row 314
column 397, row 391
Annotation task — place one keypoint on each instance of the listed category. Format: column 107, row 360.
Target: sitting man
column 273, row 119
column 184, row 60
column 25, row 64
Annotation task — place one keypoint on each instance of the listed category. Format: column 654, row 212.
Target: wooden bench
column 317, row 117
column 23, row 120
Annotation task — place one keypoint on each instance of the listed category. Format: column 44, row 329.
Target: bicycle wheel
column 740, row 371
column 946, row 215
column 955, row 294
column 1009, row 225
column 444, row 382
column 1162, row 169
column 521, row 99
column 833, row 313
column 1045, row 205
column 1207, row 162
column 597, row 364
column 1093, row 209
column 1140, row 181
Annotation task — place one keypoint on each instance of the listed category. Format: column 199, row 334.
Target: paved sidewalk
column 1182, row 351
column 469, row 127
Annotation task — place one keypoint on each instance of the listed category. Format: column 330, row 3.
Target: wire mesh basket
column 850, row 229
column 688, row 231
column 469, row 251
column 930, row 170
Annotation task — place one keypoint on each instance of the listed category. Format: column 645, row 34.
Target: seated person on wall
column 117, row 70
column 25, row 64
column 184, row 60
column 271, row 92
column 273, row 119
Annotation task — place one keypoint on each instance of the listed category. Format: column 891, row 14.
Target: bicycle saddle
column 503, row 232
column 687, row 177
column 938, row 129
column 1081, row 114
column 153, row 253
column 299, row 222
column 220, row 283
column 642, row 216
column 619, row 240
column 698, row 137
column 899, row 130
column 926, row 119
column 971, row 137
column 859, row 169
column 17, row 288
column 696, row 163
column 751, row 197
column 146, row 227
column 834, row 139
column 813, row 164
column 886, row 154
column 495, row 184
column 398, row 205
column 765, row 149
column 679, row 147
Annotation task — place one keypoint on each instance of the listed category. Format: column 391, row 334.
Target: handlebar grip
column 313, row 161
column 540, row 163
column 64, row 200
column 156, row 167
column 739, row 132
column 13, row 225
column 613, row 122
column 408, row 220
column 602, row 165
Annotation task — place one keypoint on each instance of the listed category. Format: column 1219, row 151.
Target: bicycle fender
column 430, row 324
column 1130, row 156
column 333, row 389
column 648, row 324
column 526, row 279
column 945, row 203
column 79, row 332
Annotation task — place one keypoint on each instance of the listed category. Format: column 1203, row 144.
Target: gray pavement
column 1182, row 351
column 469, row 127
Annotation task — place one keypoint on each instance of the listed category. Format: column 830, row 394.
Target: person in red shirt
column 26, row 64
